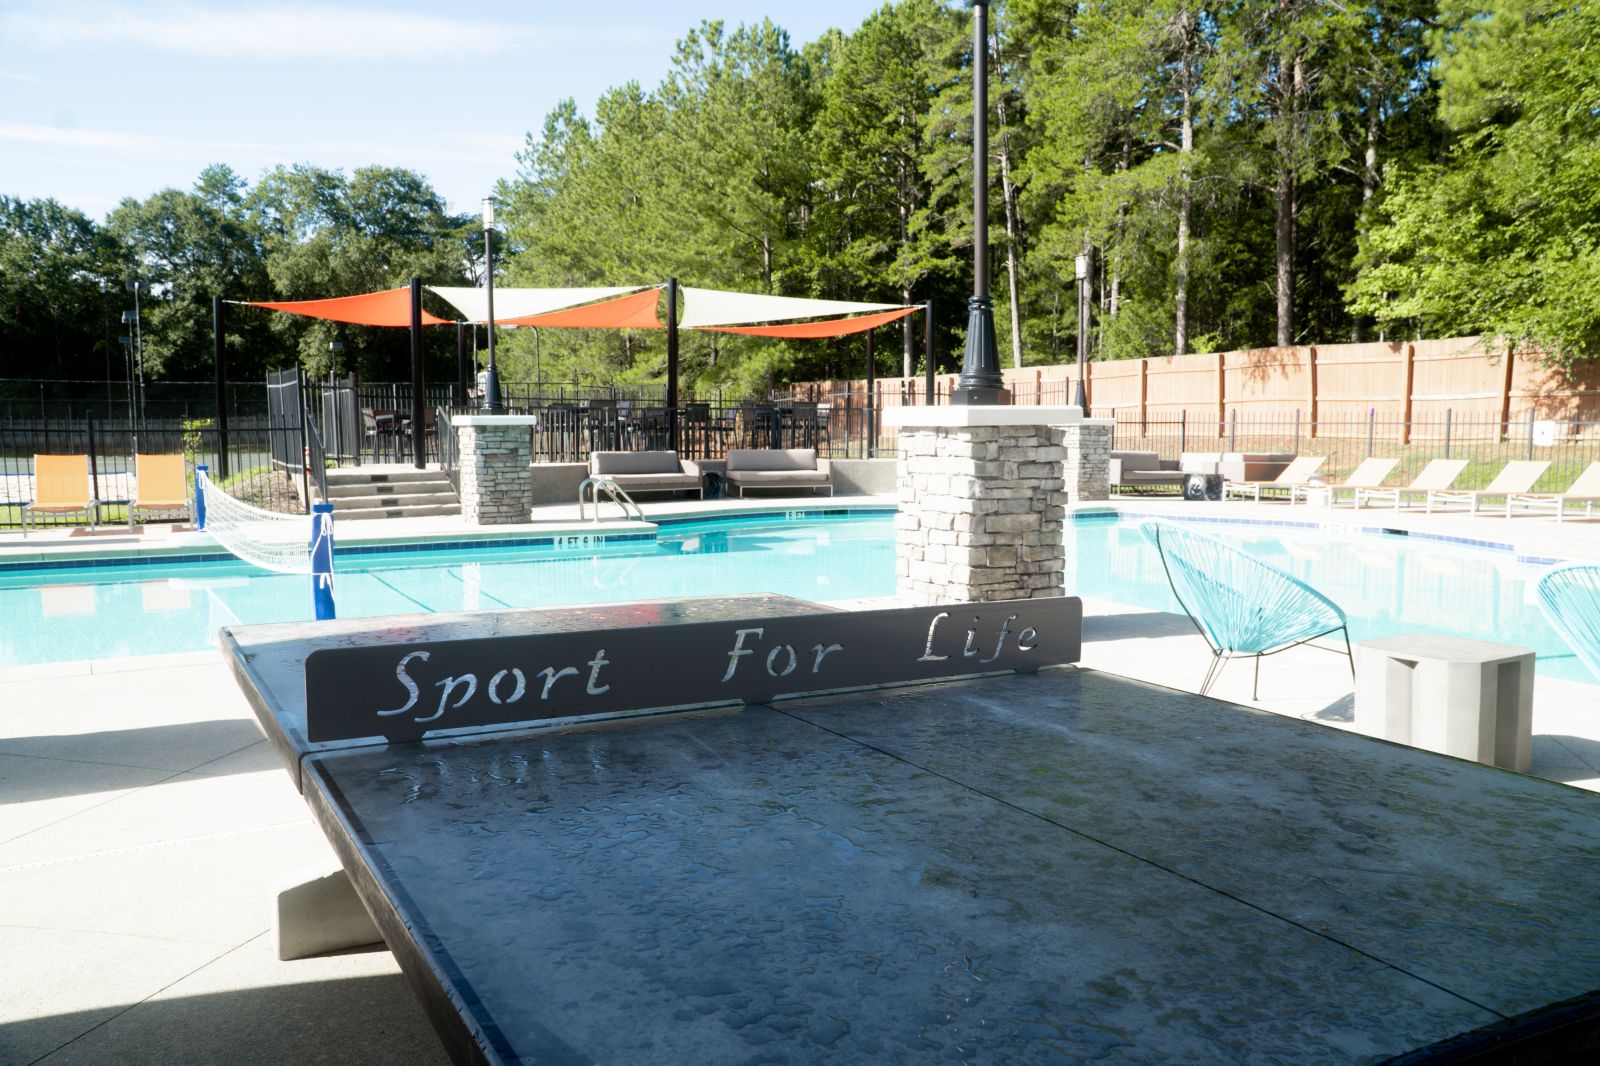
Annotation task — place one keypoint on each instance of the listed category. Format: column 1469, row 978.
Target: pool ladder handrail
column 619, row 496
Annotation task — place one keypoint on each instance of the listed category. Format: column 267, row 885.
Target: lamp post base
column 491, row 402
column 980, row 384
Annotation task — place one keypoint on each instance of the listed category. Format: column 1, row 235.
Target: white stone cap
column 958, row 415
column 494, row 420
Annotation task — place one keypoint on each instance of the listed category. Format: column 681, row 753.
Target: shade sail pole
column 930, row 363
column 461, row 364
column 220, row 357
column 672, row 363
column 419, row 446
column 872, row 399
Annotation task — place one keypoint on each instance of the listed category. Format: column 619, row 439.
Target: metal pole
column 491, row 383
column 1447, row 432
column 220, row 366
column 461, row 364
column 1372, row 418
column 1080, row 399
column 138, row 343
column 929, row 359
column 672, row 363
column 419, row 446
column 305, row 435
column 872, row 397
column 981, row 383
column 1530, row 432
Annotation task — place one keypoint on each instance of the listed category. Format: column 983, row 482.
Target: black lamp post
column 491, row 380
column 1081, row 400
column 980, row 382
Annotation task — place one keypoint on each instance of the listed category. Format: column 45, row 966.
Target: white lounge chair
column 1585, row 490
column 1515, row 478
column 1439, row 474
column 1368, row 475
column 1297, row 472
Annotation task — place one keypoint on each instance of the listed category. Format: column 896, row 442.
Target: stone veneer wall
column 1087, row 464
column 980, row 515
column 496, row 482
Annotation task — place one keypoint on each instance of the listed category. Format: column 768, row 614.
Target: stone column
column 1087, row 469
column 982, row 500
column 495, row 453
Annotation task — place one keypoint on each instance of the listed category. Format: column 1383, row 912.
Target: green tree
column 60, row 301
column 1503, row 235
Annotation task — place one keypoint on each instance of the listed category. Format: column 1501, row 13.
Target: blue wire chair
column 1242, row 606
column 1570, row 598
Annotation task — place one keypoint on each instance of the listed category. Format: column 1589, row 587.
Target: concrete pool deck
column 144, row 822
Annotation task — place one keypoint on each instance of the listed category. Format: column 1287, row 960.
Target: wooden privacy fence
column 1411, row 383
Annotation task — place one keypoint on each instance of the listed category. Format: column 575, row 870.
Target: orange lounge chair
column 61, row 486
column 160, row 484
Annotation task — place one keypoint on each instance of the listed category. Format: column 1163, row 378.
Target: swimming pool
column 1386, row 584
column 52, row 616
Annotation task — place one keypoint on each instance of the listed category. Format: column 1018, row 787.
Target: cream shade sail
column 473, row 303
column 713, row 307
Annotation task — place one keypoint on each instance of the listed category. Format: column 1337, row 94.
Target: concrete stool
column 1469, row 698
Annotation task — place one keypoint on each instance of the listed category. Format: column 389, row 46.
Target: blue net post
column 322, row 560
column 200, row 471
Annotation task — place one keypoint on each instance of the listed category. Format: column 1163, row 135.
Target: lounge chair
column 1369, row 474
column 1242, row 606
column 1569, row 596
column 777, row 468
column 1296, row 473
column 1517, row 477
column 1438, row 474
column 1585, row 490
column 657, row 471
column 1143, row 470
column 61, row 486
column 160, row 484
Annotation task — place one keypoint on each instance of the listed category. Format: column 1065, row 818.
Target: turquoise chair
column 1570, row 598
column 1242, row 606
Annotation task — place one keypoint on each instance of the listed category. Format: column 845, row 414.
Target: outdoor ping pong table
column 1046, row 867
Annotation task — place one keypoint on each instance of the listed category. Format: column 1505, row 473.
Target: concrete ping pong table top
column 1043, row 867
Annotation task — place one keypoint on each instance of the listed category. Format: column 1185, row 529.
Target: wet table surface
column 1067, row 866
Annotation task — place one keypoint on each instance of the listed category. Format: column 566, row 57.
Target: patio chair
column 61, row 486
column 1297, row 472
column 1517, row 476
column 1369, row 474
column 160, row 484
column 1242, row 606
column 1569, row 596
column 1439, row 474
column 1585, row 490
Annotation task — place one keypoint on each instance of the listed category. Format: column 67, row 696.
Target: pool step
column 390, row 492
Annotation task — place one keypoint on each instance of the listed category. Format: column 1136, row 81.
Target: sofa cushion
column 778, row 477
column 1138, row 460
column 609, row 463
column 652, row 481
column 772, row 459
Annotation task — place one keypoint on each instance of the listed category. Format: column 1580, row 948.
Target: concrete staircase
column 390, row 492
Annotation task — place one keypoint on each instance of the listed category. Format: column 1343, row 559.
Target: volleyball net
column 277, row 542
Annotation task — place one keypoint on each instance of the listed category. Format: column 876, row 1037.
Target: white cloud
column 265, row 31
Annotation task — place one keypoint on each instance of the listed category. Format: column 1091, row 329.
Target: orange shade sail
column 635, row 311
column 832, row 327
column 392, row 307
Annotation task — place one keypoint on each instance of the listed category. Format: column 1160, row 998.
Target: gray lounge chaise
column 647, row 471
column 777, row 468
column 1143, row 469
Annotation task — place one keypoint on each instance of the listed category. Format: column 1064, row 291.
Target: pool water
column 154, row 610
column 1386, row 585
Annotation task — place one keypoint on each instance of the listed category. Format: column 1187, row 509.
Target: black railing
column 253, row 474
column 1486, row 442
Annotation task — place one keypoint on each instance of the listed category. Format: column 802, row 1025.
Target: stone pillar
column 982, row 500
column 495, row 453
column 1087, row 469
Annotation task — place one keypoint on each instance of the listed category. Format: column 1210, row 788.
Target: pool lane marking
column 392, row 588
column 456, row 573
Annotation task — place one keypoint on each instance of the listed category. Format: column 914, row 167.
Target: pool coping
column 556, row 535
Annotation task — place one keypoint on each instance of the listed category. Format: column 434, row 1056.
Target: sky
column 101, row 101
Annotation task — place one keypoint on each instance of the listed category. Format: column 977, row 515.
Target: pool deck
column 144, row 820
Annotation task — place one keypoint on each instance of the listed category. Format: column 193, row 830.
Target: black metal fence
column 1486, row 442
column 246, row 467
